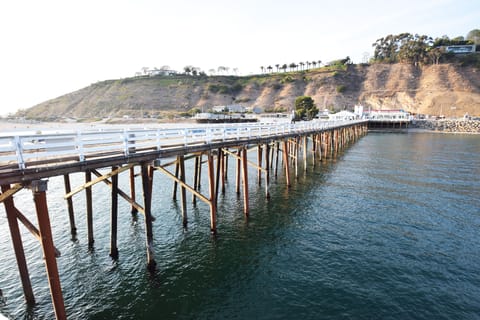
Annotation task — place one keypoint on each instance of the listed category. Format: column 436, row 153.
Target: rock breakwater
column 448, row 125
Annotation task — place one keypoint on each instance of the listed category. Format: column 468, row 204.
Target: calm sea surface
column 388, row 230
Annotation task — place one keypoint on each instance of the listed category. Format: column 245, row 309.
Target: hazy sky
column 49, row 48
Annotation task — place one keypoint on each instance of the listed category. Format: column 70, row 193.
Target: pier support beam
column 238, row 171
column 18, row 247
column 267, row 170
column 277, row 151
column 285, row 160
column 39, row 188
column 71, row 215
column 175, row 183
column 213, row 201
column 114, row 216
column 245, row 181
column 305, row 146
column 134, row 210
column 196, row 178
column 259, row 159
column 183, row 191
column 147, row 179
column 88, row 194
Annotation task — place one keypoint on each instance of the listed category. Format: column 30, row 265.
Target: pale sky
column 53, row 47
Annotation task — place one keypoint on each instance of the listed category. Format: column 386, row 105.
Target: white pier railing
column 21, row 150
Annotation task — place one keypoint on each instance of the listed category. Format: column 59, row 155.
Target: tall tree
column 187, row 69
column 277, row 66
column 474, row 35
column 305, row 108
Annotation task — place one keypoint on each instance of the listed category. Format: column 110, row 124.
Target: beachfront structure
column 229, row 108
column 387, row 115
column 343, row 115
column 387, row 118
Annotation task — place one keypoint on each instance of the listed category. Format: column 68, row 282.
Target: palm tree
column 284, row 67
column 269, row 68
column 263, row 69
column 301, row 65
column 314, row 63
column 319, row 63
column 292, row 66
column 278, row 66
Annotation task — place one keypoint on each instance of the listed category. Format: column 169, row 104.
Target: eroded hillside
column 438, row 89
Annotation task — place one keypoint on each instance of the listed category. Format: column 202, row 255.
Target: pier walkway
column 27, row 161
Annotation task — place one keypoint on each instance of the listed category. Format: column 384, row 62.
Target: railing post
column 81, row 154
column 157, row 134
column 19, row 152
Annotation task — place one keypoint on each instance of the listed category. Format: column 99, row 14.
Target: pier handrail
column 23, row 150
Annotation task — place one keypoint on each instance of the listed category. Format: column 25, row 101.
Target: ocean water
column 390, row 229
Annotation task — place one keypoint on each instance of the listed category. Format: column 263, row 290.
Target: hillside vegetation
column 448, row 89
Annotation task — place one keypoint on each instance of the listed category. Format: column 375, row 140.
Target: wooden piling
column 305, row 146
column 238, row 171
column 134, row 210
column 213, row 201
column 218, row 173
column 18, row 247
column 183, row 191
column 175, row 183
column 277, row 151
column 267, row 172
column 114, row 216
column 88, row 194
column 295, row 155
column 223, row 165
column 71, row 215
column 259, row 161
column 147, row 178
column 195, row 178
column 245, row 181
column 39, row 188
column 285, row 160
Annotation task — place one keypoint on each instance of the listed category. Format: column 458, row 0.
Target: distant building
column 468, row 48
column 161, row 72
column 358, row 110
column 229, row 108
column 343, row 115
column 387, row 115
column 323, row 114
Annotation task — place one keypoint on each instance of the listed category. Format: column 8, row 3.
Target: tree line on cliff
column 422, row 49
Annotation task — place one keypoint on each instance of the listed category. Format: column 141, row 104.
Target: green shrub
column 341, row 88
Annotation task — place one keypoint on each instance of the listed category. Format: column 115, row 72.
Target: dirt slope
column 439, row 89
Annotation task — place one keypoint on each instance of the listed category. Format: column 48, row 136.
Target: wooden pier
column 27, row 161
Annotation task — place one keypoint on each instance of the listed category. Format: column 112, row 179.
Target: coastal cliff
column 445, row 89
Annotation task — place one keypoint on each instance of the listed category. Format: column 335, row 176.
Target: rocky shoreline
column 447, row 125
